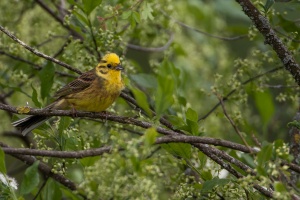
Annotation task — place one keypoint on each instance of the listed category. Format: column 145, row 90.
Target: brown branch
column 36, row 52
column 204, row 140
column 130, row 120
column 209, row 151
column 37, row 67
column 45, row 169
column 57, row 154
column 232, row 122
column 100, row 115
column 264, row 27
column 102, row 150
column 58, row 19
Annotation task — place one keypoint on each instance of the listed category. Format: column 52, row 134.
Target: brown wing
column 77, row 85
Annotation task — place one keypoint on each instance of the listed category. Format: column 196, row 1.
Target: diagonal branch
column 57, row 18
column 38, row 53
column 35, row 66
column 209, row 151
column 271, row 38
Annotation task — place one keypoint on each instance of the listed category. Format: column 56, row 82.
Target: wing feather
column 77, row 85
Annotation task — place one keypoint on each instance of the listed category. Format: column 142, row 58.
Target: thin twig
column 226, row 97
column 94, row 39
column 38, row 67
column 58, row 19
column 36, row 52
column 236, row 129
column 41, row 188
column 203, row 32
column 152, row 49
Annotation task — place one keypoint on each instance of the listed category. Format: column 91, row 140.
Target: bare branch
column 107, row 149
column 264, row 27
column 57, row 154
column 204, row 140
column 100, row 115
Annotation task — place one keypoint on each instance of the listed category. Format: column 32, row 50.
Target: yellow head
column 109, row 67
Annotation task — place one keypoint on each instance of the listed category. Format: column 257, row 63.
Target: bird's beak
column 119, row 67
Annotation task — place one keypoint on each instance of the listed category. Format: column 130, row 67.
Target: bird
column 93, row 91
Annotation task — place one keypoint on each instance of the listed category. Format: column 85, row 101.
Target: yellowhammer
column 93, row 91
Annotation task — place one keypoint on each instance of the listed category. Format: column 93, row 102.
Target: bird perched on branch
column 93, row 91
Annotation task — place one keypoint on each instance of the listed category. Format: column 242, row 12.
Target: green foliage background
column 182, row 82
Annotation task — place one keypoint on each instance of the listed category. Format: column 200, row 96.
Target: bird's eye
column 109, row 65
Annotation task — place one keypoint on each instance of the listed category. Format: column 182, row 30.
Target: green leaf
column 191, row 115
column 150, row 136
column 141, row 100
column 126, row 14
column 279, row 187
column 51, row 190
column 90, row 5
column 63, row 124
column 89, row 161
column 2, row 162
column 136, row 16
column 210, row 184
column 82, row 19
column 34, row 97
column 265, row 105
column 265, row 154
column 294, row 123
column 147, row 12
column 132, row 21
column 206, row 175
column 191, row 124
column 46, row 76
column 268, row 5
column 261, row 170
column 192, row 127
column 176, row 121
column 278, row 143
column 144, row 80
column 182, row 100
column 166, row 87
column 248, row 159
column 31, row 179
column 179, row 149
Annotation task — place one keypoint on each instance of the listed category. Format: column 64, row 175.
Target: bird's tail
column 27, row 124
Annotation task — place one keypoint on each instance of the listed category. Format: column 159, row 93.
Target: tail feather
column 27, row 124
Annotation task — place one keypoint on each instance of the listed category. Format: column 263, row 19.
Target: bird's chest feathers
column 99, row 96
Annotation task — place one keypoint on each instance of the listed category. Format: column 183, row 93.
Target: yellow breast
column 96, row 98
